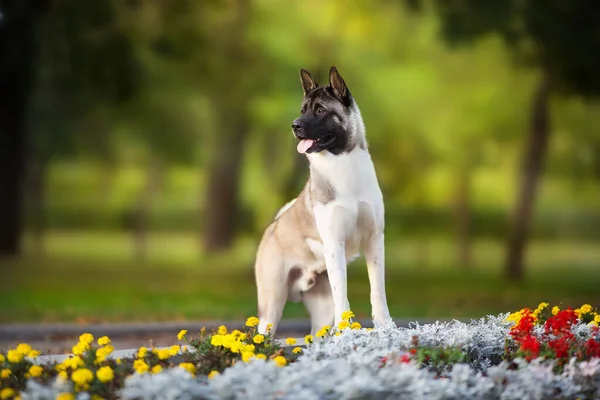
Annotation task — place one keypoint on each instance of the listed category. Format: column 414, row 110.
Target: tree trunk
column 533, row 158
column 35, row 194
column 222, row 191
column 463, row 216
column 18, row 51
column 139, row 217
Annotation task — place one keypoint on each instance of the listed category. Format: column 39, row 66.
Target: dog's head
column 329, row 120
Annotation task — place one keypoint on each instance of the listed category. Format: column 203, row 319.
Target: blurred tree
column 18, row 51
column 86, row 67
column 562, row 40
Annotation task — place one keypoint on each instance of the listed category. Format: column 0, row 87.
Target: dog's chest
column 348, row 203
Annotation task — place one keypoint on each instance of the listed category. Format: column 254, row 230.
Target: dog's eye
column 303, row 110
column 320, row 111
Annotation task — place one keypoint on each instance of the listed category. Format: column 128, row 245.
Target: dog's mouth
column 312, row 145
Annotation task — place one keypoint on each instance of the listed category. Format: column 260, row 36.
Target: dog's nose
column 295, row 126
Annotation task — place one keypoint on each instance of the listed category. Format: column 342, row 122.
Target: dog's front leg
column 335, row 260
column 375, row 256
column 333, row 223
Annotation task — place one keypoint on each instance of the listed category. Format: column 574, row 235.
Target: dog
column 304, row 252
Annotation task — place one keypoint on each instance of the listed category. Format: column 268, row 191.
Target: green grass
column 92, row 277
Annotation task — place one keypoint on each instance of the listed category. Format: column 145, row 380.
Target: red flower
column 561, row 322
column 405, row 358
column 592, row 348
column 531, row 346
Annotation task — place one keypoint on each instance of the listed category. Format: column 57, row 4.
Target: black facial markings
column 330, row 122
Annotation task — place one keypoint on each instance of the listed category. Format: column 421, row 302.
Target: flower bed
column 546, row 353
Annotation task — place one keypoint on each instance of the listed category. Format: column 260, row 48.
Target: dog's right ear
column 308, row 83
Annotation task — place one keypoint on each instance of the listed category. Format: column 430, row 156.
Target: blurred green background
column 155, row 145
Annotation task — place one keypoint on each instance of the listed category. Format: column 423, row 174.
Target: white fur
column 354, row 220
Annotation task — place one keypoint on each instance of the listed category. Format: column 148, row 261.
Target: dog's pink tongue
column 304, row 145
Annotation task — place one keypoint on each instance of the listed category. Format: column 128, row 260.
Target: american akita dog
column 304, row 252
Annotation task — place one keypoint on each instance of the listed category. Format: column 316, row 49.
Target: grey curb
column 25, row 332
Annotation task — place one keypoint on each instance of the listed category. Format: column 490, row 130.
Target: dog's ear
column 338, row 87
column 308, row 82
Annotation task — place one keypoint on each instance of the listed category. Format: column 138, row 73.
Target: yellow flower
column 212, row 374
column 189, row 367
column 280, row 361
column 243, row 336
column 80, row 348
column 63, row 375
column 184, row 349
column 14, row 356
column 24, row 348
column 249, row 348
column 118, row 360
column 216, row 340
column 105, row 351
column 346, row 315
column 156, row 369
column 65, row 396
column 105, row 374
column 290, row 341
column 235, row 346
column 174, row 350
column 597, row 319
column 7, row 393
column 140, row 366
column 269, row 327
column 142, row 352
column 555, row 310
column 228, row 341
column 73, row 362
column 369, row 329
column 1, row 358
column 343, row 325
column 33, row 354
column 82, row 376
column 222, row 330
column 163, row 354
column 261, row 357
column 181, row 334
column 322, row 332
column 247, row 355
column 586, row 308
column 86, row 338
column 258, row 339
column 308, row 339
column 252, row 321
column 104, row 340
column 35, row 371
column 355, row 325
column 297, row 350
column 5, row 373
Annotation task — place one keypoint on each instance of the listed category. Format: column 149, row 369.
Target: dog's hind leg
column 319, row 303
column 272, row 291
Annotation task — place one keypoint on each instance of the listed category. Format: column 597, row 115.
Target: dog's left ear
column 338, row 87
column 308, row 82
